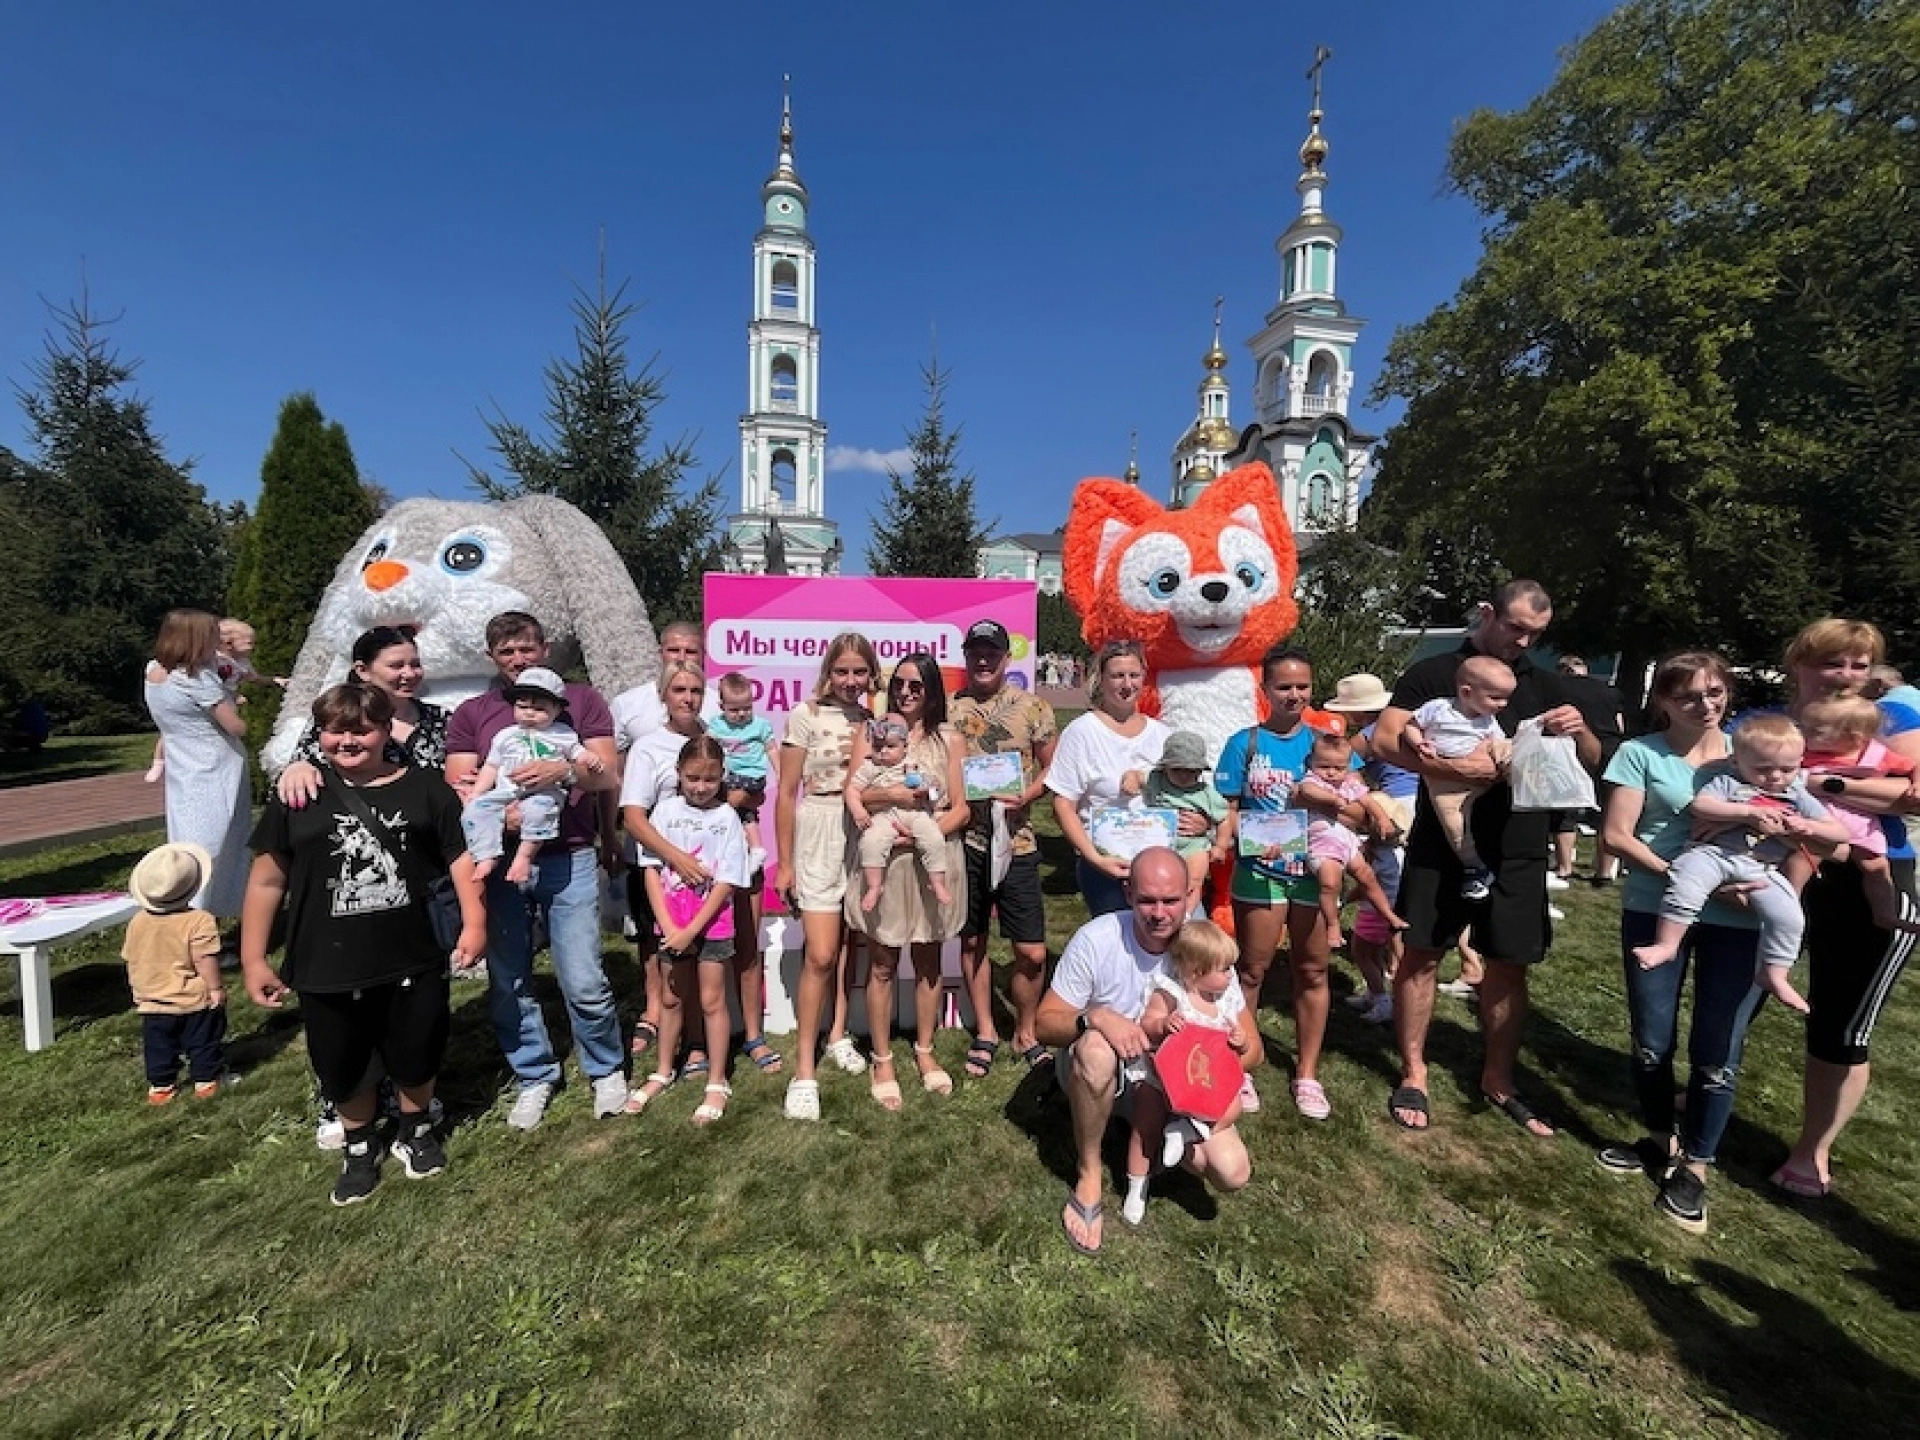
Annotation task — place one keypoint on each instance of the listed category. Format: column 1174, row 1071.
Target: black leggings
column 1851, row 962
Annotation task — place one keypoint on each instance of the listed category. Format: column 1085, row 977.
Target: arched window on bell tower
column 786, row 285
column 1323, row 382
column 786, row 383
column 1320, row 499
column 785, row 478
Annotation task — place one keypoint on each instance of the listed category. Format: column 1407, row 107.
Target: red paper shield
column 1199, row 1072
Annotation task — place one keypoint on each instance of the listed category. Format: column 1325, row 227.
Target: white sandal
column 803, row 1100
column 844, row 1053
column 640, row 1097
column 705, row 1114
column 935, row 1081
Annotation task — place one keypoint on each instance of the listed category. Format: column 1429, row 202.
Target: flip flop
column 644, row 1034
column 980, row 1055
column 1090, row 1216
column 1801, row 1184
column 1409, row 1097
column 1521, row 1113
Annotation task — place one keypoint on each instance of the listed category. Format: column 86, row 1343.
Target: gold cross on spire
column 1321, row 54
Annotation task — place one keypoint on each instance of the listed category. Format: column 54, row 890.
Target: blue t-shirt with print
column 1259, row 769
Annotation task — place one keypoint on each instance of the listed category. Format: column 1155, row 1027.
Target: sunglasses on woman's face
column 907, row 686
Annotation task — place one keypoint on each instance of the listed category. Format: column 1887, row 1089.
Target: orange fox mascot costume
column 1206, row 590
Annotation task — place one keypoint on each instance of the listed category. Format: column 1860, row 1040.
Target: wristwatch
column 1082, row 1022
column 1834, row 785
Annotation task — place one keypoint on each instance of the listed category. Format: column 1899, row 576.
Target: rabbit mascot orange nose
column 1206, row 590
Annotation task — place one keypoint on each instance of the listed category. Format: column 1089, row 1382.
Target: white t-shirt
column 1104, row 964
column 1232, row 1003
column 1090, row 758
column 640, row 711
column 1453, row 734
column 652, row 768
column 714, row 836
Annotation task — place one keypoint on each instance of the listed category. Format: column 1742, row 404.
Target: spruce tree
column 125, row 533
column 927, row 525
column 312, row 507
column 600, row 423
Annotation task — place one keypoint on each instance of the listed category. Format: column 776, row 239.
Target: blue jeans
column 1104, row 894
column 567, row 883
column 1724, row 1000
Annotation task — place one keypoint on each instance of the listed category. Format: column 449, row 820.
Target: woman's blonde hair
column 1199, row 948
column 1830, row 639
column 185, row 638
column 846, row 640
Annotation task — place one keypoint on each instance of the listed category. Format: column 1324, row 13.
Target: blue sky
column 389, row 206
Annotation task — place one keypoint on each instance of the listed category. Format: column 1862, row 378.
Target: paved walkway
column 69, row 812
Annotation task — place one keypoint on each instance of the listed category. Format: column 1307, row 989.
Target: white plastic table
column 35, row 940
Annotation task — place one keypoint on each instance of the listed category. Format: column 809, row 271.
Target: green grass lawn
column 74, row 757
column 178, row 1272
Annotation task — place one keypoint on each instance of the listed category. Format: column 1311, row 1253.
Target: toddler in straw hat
column 172, row 952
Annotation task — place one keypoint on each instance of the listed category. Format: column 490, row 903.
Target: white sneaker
column 330, row 1133
column 1555, row 882
column 1133, row 1209
column 610, row 1096
column 1249, row 1097
column 530, row 1105
column 756, row 861
column 1554, row 912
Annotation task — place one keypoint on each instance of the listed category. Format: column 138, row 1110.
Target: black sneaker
column 419, row 1150
column 1683, row 1200
column 1645, row 1156
column 359, row 1169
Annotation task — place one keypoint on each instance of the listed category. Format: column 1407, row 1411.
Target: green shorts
column 1250, row 887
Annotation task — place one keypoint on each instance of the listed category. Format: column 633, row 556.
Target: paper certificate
column 1123, row 833
column 1281, row 830
column 994, row 777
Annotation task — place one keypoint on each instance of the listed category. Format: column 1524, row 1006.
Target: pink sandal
column 1801, row 1184
column 1311, row 1100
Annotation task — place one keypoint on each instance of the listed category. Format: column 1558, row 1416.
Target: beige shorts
column 821, row 856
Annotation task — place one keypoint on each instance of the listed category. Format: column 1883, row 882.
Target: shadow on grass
column 107, row 870
column 1838, row 1387
column 66, row 760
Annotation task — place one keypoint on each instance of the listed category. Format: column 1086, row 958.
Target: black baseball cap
column 987, row 632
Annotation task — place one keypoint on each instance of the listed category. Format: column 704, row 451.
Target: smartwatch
column 1082, row 1023
column 1834, row 785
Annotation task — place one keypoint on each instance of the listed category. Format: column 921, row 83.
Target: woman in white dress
column 208, row 798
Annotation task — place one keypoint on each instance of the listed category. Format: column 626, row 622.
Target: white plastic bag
column 1546, row 773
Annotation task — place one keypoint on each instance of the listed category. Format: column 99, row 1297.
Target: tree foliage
column 1354, row 594
column 1061, row 630
column 1680, row 387
column 595, row 456
column 312, row 507
column 927, row 523
column 107, row 534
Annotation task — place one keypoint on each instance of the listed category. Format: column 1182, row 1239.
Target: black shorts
column 1023, row 918
column 403, row 1024
column 1852, row 963
column 1511, row 924
column 639, row 903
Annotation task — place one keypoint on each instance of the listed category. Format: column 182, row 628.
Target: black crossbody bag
column 442, row 900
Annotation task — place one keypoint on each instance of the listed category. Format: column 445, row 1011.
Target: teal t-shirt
column 1667, row 785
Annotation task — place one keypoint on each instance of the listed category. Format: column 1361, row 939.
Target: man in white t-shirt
column 1093, row 1010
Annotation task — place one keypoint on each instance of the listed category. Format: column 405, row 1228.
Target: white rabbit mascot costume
column 449, row 566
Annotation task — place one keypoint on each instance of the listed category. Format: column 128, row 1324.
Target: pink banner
column 775, row 629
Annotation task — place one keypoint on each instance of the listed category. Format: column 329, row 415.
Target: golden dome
column 1200, row 474
column 1313, row 150
column 1217, row 434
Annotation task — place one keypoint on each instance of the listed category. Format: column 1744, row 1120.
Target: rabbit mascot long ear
column 449, row 566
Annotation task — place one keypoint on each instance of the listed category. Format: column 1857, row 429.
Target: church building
column 782, row 526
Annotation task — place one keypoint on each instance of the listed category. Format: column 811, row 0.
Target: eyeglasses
column 1701, row 697
column 908, row 687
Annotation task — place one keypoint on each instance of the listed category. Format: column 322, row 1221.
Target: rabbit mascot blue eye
column 446, row 567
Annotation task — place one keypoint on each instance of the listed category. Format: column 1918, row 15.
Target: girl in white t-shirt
column 1101, row 760
column 695, row 920
column 1195, row 985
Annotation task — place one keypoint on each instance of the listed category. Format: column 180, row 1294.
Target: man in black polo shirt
column 1510, row 927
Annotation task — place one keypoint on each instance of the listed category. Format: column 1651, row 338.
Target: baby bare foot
column 938, row 884
column 871, row 899
column 1652, row 956
column 519, row 872
column 483, row 868
column 1776, row 984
